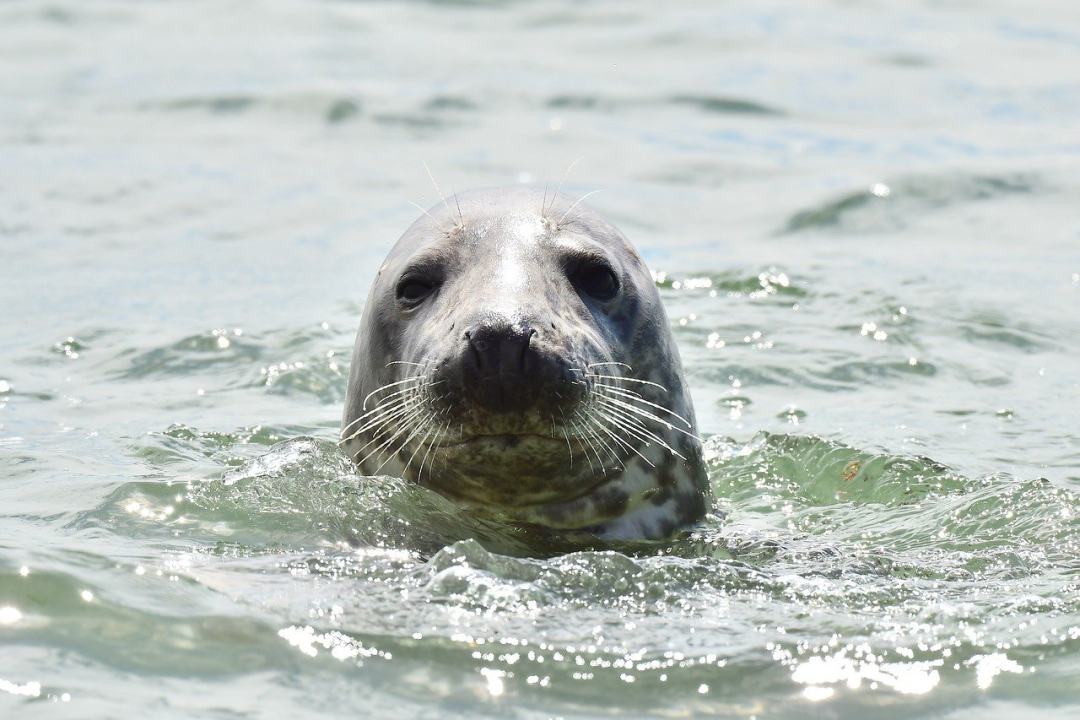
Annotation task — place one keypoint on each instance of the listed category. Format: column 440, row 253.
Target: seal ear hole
column 597, row 280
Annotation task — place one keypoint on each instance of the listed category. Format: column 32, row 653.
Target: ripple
column 192, row 354
column 216, row 105
column 184, row 443
column 724, row 105
column 768, row 283
column 995, row 328
column 892, row 206
column 413, row 121
column 382, row 571
column 342, row 110
column 59, row 607
column 321, row 377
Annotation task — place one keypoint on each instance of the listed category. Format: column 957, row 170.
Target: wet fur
column 596, row 453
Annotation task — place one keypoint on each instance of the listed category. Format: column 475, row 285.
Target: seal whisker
column 385, row 444
column 404, row 426
column 419, row 445
column 558, row 188
column 629, row 418
column 388, row 413
column 637, row 398
column 436, row 186
column 421, row 209
column 420, row 426
column 461, row 218
column 613, row 446
column 580, row 434
column 426, row 426
column 567, row 436
column 638, row 431
column 576, row 203
column 628, row 367
column 384, row 406
column 604, row 426
column 625, row 408
column 610, row 401
column 591, row 424
column 428, row 440
column 569, row 447
column 434, row 439
column 628, row 379
column 626, row 391
column 414, row 378
column 445, row 459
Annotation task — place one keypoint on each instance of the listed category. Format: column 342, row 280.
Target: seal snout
column 505, row 365
column 502, row 366
column 501, row 348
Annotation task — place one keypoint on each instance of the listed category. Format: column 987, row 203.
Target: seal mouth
column 510, row 439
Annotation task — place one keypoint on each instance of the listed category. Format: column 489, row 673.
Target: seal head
column 514, row 356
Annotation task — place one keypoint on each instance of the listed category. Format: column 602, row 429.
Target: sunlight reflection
column 30, row 689
column 495, row 686
column 987, row 667
column 908, row 678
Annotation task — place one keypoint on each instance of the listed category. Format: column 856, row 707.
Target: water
column 865, row 221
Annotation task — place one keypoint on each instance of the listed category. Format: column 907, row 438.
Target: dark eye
column 597, row 281
column 413, row 290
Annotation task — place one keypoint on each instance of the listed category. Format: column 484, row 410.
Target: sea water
column 863, row 219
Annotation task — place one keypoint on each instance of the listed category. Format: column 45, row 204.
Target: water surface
column 863, row 219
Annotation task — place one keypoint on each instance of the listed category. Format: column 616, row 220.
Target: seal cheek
column 611, row 503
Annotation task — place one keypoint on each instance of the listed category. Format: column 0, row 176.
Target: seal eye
column 597, row 281
column 413, row 290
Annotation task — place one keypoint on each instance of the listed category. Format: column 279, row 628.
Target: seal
column 514, row 356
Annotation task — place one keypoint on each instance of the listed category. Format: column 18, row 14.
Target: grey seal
column 514, row 356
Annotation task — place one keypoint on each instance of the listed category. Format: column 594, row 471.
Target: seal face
column 514, row 355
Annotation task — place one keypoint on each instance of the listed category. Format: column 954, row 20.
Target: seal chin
column 505, row 441
column 514, row 470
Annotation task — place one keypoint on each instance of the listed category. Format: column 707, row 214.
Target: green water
column 864, row 222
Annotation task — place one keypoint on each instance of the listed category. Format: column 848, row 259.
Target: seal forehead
column 505, row 235
column 518, row 214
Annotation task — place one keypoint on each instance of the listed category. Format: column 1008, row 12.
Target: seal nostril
column 525, row 349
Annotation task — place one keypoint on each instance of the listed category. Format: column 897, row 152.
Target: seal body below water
column 514, row 356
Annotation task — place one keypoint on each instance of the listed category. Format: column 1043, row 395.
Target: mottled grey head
column 514, row 354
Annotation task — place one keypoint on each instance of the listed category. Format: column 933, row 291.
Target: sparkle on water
column 863, row 224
